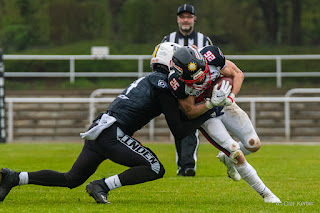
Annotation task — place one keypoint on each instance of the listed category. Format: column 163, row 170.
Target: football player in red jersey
column 192, row 77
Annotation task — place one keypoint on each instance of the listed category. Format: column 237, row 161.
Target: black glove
column 215, row 111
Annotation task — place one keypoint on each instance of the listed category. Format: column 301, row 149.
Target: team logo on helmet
column 192, row 66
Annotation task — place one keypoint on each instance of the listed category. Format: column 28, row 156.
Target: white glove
column 229, row 100
column 219, row 95
column 209, row 105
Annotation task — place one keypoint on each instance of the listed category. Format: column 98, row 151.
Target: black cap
column 186, row 8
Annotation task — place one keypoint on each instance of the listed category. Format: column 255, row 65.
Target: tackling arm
column 179, row 126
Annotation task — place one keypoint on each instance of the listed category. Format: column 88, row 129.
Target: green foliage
column 242, row 24
column 136, row 21
column 165, row 18
column 311, row 22
column 291, row 179
column 73, row 20
column 16, row 37
column 223, row 24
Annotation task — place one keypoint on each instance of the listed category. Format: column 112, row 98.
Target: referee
column 186, row 36
column 186, row 149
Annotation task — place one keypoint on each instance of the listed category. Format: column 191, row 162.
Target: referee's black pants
column 186, row 150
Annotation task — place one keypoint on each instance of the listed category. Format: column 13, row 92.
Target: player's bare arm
column 231, row 70
column 190, row 109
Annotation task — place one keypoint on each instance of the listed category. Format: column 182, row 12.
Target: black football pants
column 111, row 144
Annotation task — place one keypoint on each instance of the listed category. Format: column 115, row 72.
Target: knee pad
column 234, row 146
column 253, row 144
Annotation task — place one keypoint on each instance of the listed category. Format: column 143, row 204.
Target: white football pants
column 234, row 120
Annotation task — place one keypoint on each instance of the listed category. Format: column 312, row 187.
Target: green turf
column 291, row 172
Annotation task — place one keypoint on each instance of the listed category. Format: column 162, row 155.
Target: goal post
column 2, row 102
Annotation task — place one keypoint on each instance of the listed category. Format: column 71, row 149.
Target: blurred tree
column 165, row 18
column 78, row 20
column 26, row 23
column 282, row 20
column 295, row 33
column 16, row 31
column 223, row 24
column 271, row 18
column 115, row 6
column 310, row 22
column 136, row 21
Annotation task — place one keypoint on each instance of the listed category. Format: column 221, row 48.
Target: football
column 219, row 81
column 208, row 92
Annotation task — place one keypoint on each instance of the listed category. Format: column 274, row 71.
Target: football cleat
column 271, row 198
column 99, row 191
column 8, row 180
column 187, row 172
column 231, row 169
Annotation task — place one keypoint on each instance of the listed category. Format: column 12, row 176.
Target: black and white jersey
column 195, row 38
column 145, row 99
column 216, row 62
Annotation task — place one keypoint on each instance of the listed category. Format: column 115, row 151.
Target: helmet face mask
column 191, row 66
column 163, row 53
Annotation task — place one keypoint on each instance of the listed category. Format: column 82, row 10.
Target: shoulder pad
column 177, row 86
column 175, row 75
column 158, row 80
column 214, row 56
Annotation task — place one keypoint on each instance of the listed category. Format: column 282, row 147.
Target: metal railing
column 72, row 74
column 287, row 106
column 92, row 100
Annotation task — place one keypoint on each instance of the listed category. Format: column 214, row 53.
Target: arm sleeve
column 179, row 126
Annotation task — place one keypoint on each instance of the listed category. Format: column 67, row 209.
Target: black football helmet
column 190, row 65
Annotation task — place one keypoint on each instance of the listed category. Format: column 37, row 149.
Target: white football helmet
column 163, row 53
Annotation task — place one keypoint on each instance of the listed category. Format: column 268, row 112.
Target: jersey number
column 209, row 56
column 134, row 84
column 174, row 84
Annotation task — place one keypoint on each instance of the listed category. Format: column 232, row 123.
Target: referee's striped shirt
column 195, row 38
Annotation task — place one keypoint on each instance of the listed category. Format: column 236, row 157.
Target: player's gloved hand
column 209, row 104
column 219, row 95
column 229, row 100
column 215, row 112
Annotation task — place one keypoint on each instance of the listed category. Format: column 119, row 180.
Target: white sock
column 249, row 174
column 23, row 178
column 113, row 182
column 244, row 150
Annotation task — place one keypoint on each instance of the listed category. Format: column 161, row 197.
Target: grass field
column 291, row 172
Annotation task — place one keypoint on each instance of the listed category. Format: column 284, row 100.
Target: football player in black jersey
column 110, row 137
column 190, row 79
